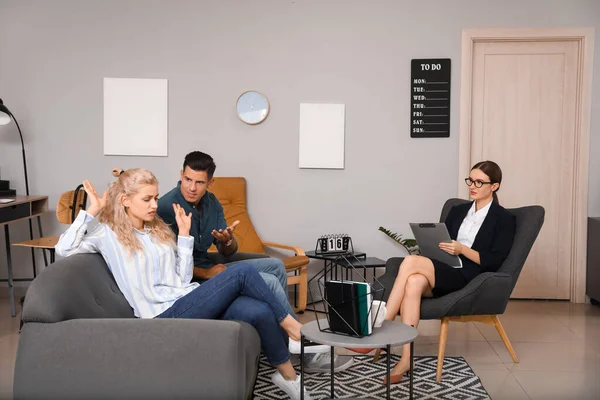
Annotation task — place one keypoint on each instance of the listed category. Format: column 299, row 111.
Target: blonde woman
column 154, row 271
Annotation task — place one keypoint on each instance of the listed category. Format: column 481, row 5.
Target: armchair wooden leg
column 502, row 334
column 442, row 347
column 377, row 355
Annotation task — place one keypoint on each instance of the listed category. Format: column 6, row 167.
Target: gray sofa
column 80, row 340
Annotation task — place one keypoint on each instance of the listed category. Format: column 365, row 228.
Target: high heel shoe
column 395, row 378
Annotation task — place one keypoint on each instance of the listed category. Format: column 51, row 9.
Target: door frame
column 585, row 39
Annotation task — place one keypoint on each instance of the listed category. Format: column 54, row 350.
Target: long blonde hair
column 115, row 215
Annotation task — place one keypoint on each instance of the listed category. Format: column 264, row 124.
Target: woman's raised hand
column 97, row 203
column 184, row 222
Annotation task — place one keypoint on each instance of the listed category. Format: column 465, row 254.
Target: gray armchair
column 486, row 296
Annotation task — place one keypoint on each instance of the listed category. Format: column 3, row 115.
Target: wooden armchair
column 231, row 192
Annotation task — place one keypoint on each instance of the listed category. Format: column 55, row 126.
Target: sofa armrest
column 79, row 286
column 136, row 359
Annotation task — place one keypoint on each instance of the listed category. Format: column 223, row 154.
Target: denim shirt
column 208, row 215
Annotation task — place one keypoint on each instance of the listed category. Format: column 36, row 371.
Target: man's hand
column 184, row 222
column 97, row 203
column 454, row 247
column 207, row 273
column 225, row 235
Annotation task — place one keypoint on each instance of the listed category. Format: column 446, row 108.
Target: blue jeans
column 273, row 272
column 239, row 294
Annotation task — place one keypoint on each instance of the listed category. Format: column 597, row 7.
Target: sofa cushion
column 79, row 286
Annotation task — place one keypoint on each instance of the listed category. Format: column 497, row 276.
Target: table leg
column 39, row 221
column 11, row 289
column 388, row 349
column 52, row 256
column 32, row 249
column 296, row 291
column 412, row 369
column 330, row 269
column 332, row 369
column 301, row 367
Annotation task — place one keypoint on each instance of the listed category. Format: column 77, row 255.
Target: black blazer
column 493, row 241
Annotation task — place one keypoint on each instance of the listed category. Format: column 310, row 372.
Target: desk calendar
column 334, row 244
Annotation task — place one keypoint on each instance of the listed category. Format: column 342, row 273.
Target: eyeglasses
column 478, row 183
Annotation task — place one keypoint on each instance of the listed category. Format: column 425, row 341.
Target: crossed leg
column 416, row 278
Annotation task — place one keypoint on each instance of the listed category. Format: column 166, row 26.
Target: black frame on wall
column 430, row 98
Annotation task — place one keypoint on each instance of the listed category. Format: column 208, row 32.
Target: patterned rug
column 365, row 379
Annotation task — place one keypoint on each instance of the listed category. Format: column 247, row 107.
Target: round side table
column 391, row 333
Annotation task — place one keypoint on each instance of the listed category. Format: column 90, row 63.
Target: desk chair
column 69, row 205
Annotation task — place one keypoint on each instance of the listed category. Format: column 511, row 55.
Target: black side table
column 332, row 262
column 368, row 262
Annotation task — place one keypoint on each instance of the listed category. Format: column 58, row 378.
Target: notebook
column 343, row 307
column 429, row 236
column 364, row 307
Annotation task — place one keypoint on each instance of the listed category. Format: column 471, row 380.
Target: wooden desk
column 23, row 208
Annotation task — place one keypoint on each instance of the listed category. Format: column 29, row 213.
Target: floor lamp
column 5, row 117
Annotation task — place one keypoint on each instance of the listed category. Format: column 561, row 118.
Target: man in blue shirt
column 209, row 226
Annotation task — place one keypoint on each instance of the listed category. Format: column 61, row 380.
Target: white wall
column 54, row 55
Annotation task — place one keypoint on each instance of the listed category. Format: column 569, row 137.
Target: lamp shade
column 4, row 114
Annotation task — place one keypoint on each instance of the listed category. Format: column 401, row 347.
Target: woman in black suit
column 482, row 233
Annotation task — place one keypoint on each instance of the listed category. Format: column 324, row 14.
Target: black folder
column 343, row 307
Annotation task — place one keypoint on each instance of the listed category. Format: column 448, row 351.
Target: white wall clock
column 253, row 107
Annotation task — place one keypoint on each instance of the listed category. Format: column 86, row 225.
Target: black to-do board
column 430, row 98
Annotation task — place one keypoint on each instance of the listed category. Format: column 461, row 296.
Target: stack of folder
column 350, row 307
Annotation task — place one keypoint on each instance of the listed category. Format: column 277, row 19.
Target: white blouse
column 470, row 226
column 151, row 279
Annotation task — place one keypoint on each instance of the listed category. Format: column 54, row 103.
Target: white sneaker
column 321, row 362
column 291, row 388
column 294, row 347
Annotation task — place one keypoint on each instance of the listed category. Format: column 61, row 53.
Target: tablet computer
column 429, row 236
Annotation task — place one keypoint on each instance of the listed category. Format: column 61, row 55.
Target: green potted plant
column 410, row 245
